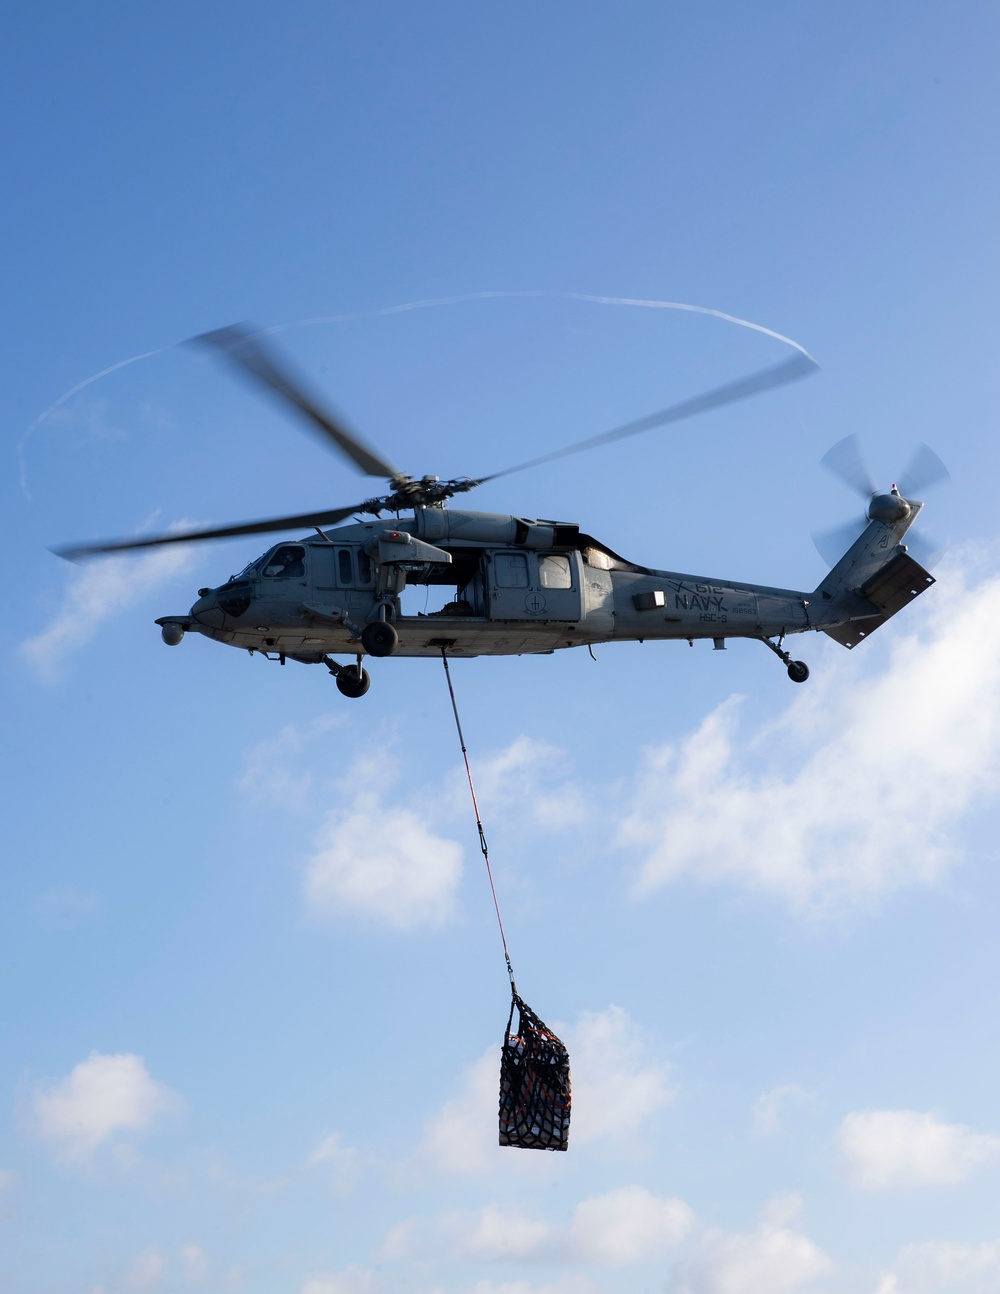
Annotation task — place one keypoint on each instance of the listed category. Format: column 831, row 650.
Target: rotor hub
column 889, row 507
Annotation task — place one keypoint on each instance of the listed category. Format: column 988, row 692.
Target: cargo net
column 534, row 1084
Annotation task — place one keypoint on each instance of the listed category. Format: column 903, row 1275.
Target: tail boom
column 874, row 579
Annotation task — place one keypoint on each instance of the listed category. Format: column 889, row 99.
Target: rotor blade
column 924, row 470
column 926, row 549
column 846, row 461
column 832, row 544
column 251, row 356
column 81, row 552
column 788, row 371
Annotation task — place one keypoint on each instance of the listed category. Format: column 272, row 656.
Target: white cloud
column 101, row 1096
column 397, row 1241
column 276, row 771
column 529, row 774
column 463, row 1136
column 94, row 594
column 146, row 1271
column 629, row 1225
column 352, row 1280
column 849, row 793
column 617, row 1229
column 940, row 1267
column 773, row 1258
column 384, row 863
column 906, row 1148
column 770, row 1106
column 496, row 1233
column 194, row 1261
column 616, row 1087
column 339, row 1160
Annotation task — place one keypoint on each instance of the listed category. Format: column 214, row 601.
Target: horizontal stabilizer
column 891, row 588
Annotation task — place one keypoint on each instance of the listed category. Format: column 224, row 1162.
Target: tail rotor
column 846, row 461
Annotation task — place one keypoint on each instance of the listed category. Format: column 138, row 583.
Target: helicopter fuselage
column 521, row 587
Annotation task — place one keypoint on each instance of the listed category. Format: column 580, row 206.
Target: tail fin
column 874, row 579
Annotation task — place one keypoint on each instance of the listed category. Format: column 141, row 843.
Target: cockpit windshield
column 284, row 562
column 248, row 571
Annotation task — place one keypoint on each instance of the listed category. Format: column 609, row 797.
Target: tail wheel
column 379, row 638
column 353, row 681
column 798, row 671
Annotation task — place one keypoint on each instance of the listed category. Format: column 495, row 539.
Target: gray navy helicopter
column 521, row 586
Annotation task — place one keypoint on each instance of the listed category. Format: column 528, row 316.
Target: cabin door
column 533, row 586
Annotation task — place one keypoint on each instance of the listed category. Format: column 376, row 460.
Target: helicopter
column 522, row 586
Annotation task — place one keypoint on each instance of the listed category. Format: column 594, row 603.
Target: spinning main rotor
column 260, row 362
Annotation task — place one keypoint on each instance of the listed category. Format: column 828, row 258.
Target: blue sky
column 242, row 1054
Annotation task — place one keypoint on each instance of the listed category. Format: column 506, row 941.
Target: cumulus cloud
column 392, row 858
column 496, row 1233
column 529, row 773
column 385, row 863
column 905, row 1148
column 100, row 1097
column 774, row 1258
column 617, row 1229
column 851, row 792
column 629, row 1225
column 95, row 593
column 462, row 1136
column 617, row 1086
column 941, row 1267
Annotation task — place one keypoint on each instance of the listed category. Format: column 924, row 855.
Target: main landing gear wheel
column 798, row 671
column 379, row 638
column 353, row 681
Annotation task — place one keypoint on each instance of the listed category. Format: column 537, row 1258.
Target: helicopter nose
column 207, row 610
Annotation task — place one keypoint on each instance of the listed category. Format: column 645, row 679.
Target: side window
column 366, row 574
column 511, row 570
column 344, row 568
column 554, row 571
column 286, row 562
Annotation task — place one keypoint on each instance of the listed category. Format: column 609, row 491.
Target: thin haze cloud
column 94, row 595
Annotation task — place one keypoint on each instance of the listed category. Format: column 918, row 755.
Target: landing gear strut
column 798, row 670
column 352, row 680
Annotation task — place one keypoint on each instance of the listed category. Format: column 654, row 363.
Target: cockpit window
column 286, row 562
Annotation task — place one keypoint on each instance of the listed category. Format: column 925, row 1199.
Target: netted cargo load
column 534, row 1084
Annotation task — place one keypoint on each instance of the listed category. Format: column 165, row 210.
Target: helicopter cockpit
column 287, row 561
